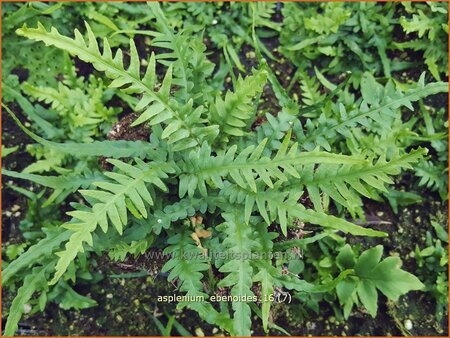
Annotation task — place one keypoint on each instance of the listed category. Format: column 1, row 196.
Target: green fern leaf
column 135, row 248
column 379, row 104
column 266, row 271
column 234, row 112
column 199, row 167
column 35, row 253
column 62, row 185
column 310, row 90
column 266, row 280
column 187, row 56
column 346, row 183
column 431, row 175
column 274, row 130
column 187, row 263
column 239, row 245
column 111, row 149
column 283, row 206
column 111, row 205
column 159, row 106
column 33, row 282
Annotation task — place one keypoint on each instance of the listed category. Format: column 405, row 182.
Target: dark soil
column 13, row 203
column 126, row 305
column 122, row 130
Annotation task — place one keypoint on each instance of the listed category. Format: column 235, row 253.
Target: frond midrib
column 266, row 162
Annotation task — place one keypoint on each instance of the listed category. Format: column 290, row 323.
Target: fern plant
column 429, row 22
column 204, row 171
column 339, row 35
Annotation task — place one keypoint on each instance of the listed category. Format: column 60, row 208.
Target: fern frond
column 201, row 167
column 176, row 130
column 62, row 185
column 186, row 207
column 83, row 114
column 266, row 271
column 274, row 130
column 135, row 248
column 110, row 204
column 278, row 202
column 266, row 280
column 346, row 183
column 187, row 263
column 310, row 90
column 234, row 112
column 432, row 176
column 106, row 148
column 419, row 24
column 186, row 55
column 283, row 206
column 182, row 247
column 33, row 282
column 262, row 13
column 239, row 245
column 380, row 104
column 56, row 98
column 159, row 106
column 35, row 253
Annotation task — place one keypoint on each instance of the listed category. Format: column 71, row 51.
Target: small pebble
column 199, row 332
column 26, row 308
column 250, row 55
column 408, row 324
